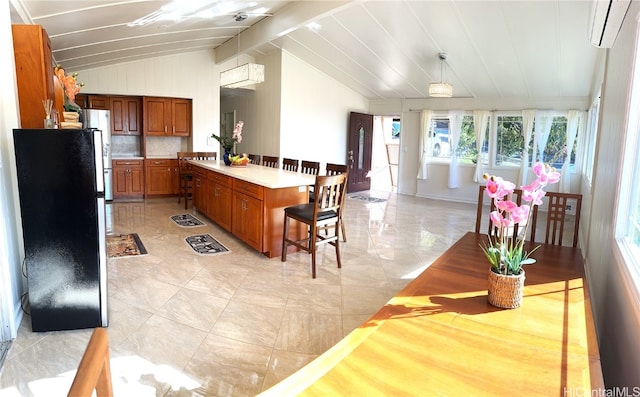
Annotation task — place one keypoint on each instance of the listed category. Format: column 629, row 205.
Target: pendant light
column 242, row 75
column 441, row 89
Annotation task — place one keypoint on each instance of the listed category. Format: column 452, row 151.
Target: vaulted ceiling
column 381, row 49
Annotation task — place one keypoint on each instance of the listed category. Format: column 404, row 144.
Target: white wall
column 190, row 75
column 615, row 301
column 11, row 247
column 298, row 112
column 315, row 113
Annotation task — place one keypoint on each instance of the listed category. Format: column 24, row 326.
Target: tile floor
column 183, row 324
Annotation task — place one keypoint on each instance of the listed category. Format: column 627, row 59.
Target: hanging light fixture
column 242, row 75
column 441, row 89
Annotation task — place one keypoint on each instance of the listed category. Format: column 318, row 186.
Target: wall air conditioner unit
column 606, row 20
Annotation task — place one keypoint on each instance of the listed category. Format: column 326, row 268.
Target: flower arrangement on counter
column 228, row 143
column 70, row 87
column 505, row 253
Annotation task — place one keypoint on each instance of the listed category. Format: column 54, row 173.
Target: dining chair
column 255, row 158
column 491, row 229
column 558, row 209
column 290, row 164
column 185, row 176
column 94, row 371
column 323, row 214
column 271, row 161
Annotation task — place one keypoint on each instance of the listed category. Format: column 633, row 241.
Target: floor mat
column 205, row 244
column 187, row 220
column 124, row 245
column 367, row 198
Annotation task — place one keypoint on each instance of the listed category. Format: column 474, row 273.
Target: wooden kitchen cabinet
column 97, row 102
column 246, row 213
column 199, row 190
column 126, row 112
column 158, row 177
column 34, row 74
column 128, row 179
column 167, row 116
column 219, row 196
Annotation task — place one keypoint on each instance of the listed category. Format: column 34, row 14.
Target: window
column 439, row 137
column 510, row 140
column 467, row 151
column 555, row 152
column 627, row 228
column 592, row 136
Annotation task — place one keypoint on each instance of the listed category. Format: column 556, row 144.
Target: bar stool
column 324, row 213
column 290, row 164
column 185, row 177
column 255, row 159
column 271, row 161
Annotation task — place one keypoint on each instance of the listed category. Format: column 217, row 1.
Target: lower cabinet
column 128, row 179
column 247, row 219
column 246, row 213
column 161, row 177
column 219, row 196
column 199, row 190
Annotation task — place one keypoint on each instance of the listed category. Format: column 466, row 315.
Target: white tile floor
column 183, row 324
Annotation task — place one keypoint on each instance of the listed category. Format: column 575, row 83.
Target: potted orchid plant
column 504, row 251
column 229, row 143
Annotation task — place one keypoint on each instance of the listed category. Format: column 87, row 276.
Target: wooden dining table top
column 440, row 337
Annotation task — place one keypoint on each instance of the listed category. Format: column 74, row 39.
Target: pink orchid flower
column 237, row 132
column 498, row 220
column 506, row 205
column 520, row 214
column 545, row 174
column 533, row 196
column 498, row 188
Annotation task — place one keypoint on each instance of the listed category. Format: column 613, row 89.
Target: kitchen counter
column 272, row 178
column 126, row 157
column 249, row 201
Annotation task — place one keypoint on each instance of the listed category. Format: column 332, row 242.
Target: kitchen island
column 249, row 201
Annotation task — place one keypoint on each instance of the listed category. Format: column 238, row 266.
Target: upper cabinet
column 126, row 115
column 97, row 102
column 167, row 116
column 34, row 73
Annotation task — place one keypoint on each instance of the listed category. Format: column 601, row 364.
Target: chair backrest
column 330, row 191
column 290, row 164
column 310, row 167
column 255, row 158
column 271, row 161
column 491, row 230
column 183, row 161
column 335, row 169
column 557, row 213
column 207, row 155
column 94, row 371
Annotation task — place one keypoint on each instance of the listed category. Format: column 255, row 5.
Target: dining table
column 439, row 336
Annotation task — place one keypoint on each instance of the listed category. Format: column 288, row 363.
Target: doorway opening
column 386, row 153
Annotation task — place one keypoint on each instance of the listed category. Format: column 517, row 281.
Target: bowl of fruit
column 239, row 160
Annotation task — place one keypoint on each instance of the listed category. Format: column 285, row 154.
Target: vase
column 505, row 291
column 226, row 155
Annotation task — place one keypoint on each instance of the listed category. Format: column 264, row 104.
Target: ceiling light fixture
column 242, row 75
column 441, row 89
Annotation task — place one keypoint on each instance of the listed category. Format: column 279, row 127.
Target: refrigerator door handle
column 97, row 137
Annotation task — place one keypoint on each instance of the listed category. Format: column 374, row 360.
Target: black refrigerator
column 61, row 184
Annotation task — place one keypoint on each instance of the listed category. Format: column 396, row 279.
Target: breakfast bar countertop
column 272, row 178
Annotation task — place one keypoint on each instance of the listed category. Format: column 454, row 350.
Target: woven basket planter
column 505, row 291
